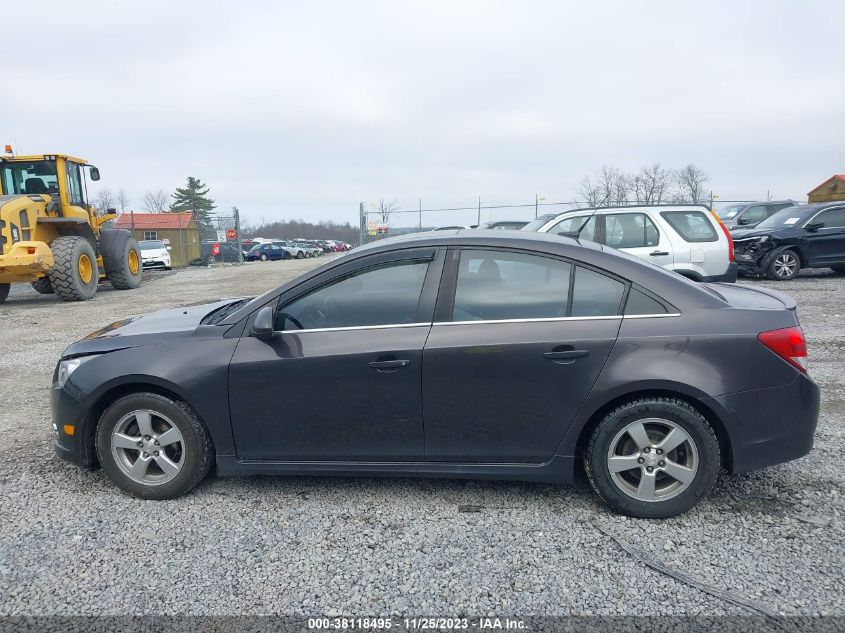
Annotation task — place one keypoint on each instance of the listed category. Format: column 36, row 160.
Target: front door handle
column 658, row 253
column 389, row 365
column 564, row 357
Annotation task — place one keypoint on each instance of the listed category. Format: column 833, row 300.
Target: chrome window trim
column 353, row 328
column 484, row 322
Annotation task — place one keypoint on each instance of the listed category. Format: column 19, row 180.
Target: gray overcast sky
column 303, row 109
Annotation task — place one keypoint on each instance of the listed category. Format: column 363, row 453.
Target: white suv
column 687, row 239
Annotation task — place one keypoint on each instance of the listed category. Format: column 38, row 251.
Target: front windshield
column 29, row 177
column 729, row 212
column 786, row 217
column 537, row 223
column 148, row 245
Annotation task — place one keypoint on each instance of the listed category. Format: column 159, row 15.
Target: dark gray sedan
column 480, row 354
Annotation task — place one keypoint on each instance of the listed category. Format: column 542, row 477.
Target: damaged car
column 803, row 236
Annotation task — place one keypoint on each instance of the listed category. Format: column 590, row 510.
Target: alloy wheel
column 148, row 447
column 652, row 459
column 785, row 265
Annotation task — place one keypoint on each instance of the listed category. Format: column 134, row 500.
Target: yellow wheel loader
column 51, row 237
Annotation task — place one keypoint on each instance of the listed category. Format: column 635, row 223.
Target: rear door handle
column 389, row 365
column 567, row 356
column 658, row 253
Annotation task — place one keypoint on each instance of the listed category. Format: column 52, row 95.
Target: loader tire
column 43, row 286
column 74, row 276
column 121, row 258
column 4, row 291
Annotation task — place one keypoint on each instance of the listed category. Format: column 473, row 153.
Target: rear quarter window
column 693, row 226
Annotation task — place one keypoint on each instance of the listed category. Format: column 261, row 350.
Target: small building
column 178, row 230
column 830, row 190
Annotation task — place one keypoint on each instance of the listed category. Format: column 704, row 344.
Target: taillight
column 728, row 235
column 788, row 343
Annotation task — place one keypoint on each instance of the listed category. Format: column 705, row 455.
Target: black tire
column 4, row 291
column 121, row 258
column 43, row 286
column 839, row 268
column 287, row 255
column 264, row 257
column 783, row 266
column 678, row 413
column 195, row 458
column 300, row 255
column 66, row 277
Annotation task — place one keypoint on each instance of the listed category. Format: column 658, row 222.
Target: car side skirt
column 559, row 469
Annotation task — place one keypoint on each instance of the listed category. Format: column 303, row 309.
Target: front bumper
column 65, row 409
column 769, row 426
column 25, row 261
column 155, row 263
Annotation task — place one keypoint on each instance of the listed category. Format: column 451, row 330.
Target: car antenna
column 577, row 234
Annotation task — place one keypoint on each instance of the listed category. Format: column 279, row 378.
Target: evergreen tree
column 194, row 197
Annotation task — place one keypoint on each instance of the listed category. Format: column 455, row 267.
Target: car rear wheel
column 784, row 266
column 839, row 268
column 286, row 255
column 652, row 458
column 152, row 446
column 264, row 257
column 300, row 255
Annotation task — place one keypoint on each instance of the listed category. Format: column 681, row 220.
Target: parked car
column 310, row 250
column 270, row 251
column 155, row 254
column 505, row 225
column 212, row 251
column 804, row 236
column 523, row 354
column 686, row 239
column 750, row 214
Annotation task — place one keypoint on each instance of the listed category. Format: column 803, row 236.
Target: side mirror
column 262, row 324
column 743, row 221
column 814, row 226
column 95, row 174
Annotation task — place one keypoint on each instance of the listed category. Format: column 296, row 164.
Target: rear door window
column 570, row 226
column 630, row 230
column 497, row 285
column 693, row 226
column 641, row 303
column 595, row 294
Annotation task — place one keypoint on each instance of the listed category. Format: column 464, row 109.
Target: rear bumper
column 729, row 276
column 769, row 426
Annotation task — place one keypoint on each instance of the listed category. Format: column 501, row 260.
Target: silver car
column 687, row 239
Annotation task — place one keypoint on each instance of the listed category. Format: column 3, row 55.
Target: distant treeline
column 292, row 229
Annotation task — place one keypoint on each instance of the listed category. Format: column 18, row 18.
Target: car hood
column 148, row 329
column 153, row 252
column 744, row 234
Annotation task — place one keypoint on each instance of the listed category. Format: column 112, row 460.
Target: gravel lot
column 72, row 543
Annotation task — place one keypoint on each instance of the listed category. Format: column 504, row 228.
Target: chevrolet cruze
column 480, row 354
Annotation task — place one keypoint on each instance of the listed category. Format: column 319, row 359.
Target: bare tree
column 122, row 200
column 386, row 208
column 690, row 184
column 589, row 191
column 614, row 186
column 156, row 201
column 104, row 200
column 651, row 184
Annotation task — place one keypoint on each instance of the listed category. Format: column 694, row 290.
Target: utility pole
column 420, row 213
column 478, row 224
column 237, row 215
column 363, row 222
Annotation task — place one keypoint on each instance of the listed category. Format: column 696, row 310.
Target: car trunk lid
column 752, row 297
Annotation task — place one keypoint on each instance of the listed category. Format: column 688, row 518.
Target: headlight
column 67, row 367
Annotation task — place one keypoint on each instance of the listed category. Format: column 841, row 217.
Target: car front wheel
column 784, row 266
column 153, row 446
column 652, row 458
